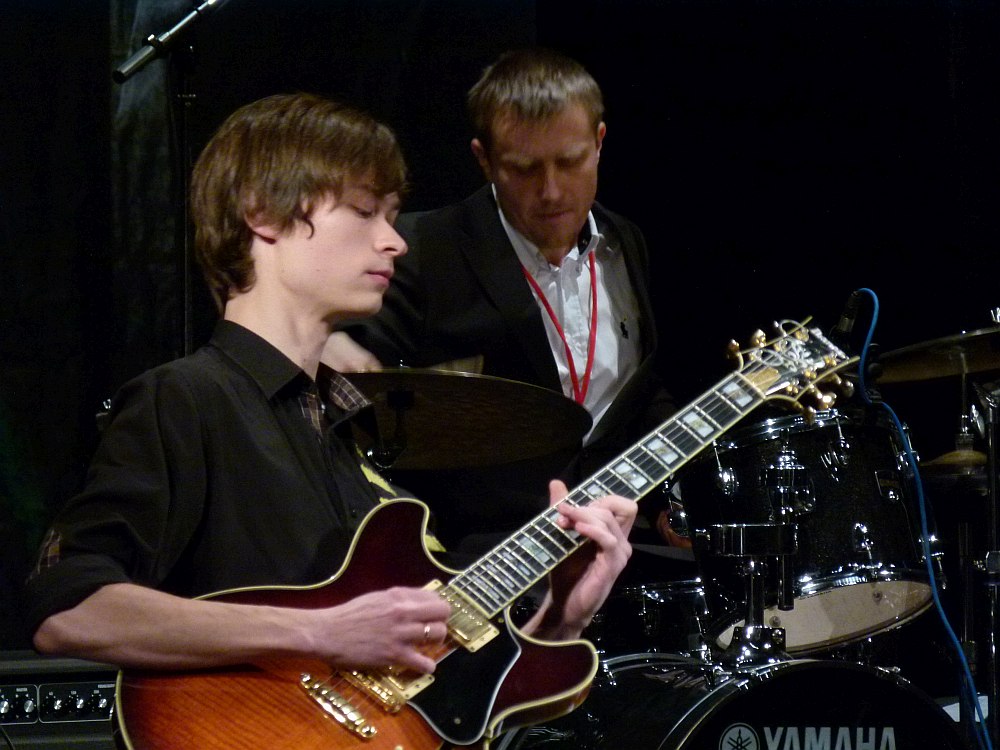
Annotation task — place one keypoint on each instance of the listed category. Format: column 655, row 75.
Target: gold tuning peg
column 846, row 387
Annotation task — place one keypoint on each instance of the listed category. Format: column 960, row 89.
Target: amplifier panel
column 51, row 703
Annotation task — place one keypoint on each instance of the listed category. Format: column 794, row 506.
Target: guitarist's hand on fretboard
column 580, row 584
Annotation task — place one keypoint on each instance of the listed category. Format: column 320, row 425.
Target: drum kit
column 814, row 544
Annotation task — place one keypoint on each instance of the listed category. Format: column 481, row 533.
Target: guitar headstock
column 792, row 364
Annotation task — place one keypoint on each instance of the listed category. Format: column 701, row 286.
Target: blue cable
column 972, row 694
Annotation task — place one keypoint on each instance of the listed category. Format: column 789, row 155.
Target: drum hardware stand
column 967, row 564
column 385, row 453
column 754, row 642
column 986, row 421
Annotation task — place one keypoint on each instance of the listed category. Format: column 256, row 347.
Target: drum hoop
column 685, row 586
column 774, row 428
column 863, row 574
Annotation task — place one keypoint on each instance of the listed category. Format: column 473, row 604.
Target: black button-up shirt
column 209, row 477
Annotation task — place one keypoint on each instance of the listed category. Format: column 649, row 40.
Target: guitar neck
column 510, row 569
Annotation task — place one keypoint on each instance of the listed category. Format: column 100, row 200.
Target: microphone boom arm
column 158, row 45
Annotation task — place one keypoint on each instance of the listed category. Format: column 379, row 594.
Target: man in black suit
column 534, row 279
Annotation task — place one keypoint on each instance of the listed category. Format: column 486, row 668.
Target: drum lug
column 788, row 485
column 754, row 646
column 836, row 456
column 863, row 543
column 889, row 486
column 725, row 478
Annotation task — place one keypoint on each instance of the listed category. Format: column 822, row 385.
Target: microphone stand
column 181, row 63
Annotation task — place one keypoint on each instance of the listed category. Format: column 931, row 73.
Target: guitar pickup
column 392, row 689
column 338, row 707
column 468, row 624
column 373, row 687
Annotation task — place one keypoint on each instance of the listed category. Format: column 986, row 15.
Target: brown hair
column 273, row 160
column 531, row 84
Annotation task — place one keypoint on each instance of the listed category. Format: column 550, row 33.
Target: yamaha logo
column 744, row 737
column 739, row 737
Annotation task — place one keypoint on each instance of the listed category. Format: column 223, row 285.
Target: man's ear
column 479, row 151
column 262, row 228
column 602, row 130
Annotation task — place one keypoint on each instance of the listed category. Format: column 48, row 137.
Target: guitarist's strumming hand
column 579, row 586
column 381, row 628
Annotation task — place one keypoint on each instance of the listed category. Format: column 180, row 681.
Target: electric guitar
column 489, row 677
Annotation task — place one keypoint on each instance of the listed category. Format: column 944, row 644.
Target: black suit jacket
column 460, row 292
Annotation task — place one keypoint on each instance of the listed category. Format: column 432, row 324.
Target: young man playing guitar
column 232, row 469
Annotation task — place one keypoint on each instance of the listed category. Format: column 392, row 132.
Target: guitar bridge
column 338, row 707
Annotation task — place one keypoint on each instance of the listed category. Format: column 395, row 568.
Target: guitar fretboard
column 510, row 569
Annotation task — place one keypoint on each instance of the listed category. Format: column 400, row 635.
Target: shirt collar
column 340, row 391
column 261, row 360
column 529, row 254
column 273, row 371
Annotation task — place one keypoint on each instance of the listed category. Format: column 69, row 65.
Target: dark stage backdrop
column 778, row 154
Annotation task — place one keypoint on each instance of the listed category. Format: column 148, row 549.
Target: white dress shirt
column 568, row 290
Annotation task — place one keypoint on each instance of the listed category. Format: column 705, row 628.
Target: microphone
column 845, row 325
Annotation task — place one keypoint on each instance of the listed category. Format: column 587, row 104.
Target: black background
column 778, row 155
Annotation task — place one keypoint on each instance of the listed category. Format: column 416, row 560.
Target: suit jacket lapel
column 637, row 277
column 496, row 266
column 622, row 408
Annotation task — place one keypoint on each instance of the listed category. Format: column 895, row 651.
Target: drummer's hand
column 665, row 527
column 579, row 585
column 344, row 354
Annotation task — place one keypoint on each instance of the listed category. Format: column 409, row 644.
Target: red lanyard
column 579, row 390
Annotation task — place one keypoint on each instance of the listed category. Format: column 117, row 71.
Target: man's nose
column 551, row 187
column 393, row 242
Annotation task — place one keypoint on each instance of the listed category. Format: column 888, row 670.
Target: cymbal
column 965, row 353
column 449, row 420
column 958, row 459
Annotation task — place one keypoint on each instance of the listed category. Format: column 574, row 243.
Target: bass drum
column 844, row 479
column 645, row 701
